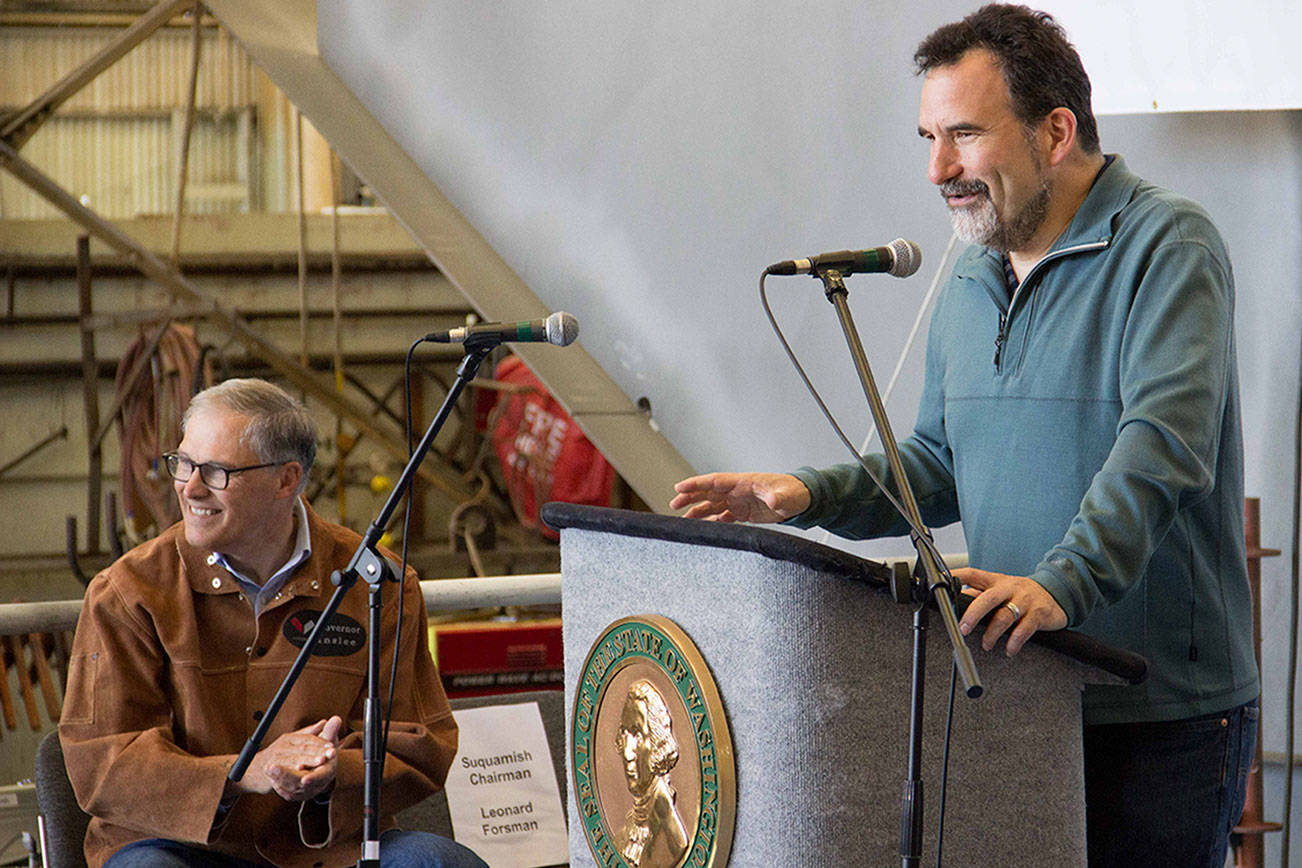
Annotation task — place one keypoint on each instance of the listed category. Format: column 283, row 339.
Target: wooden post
column 1250, row 849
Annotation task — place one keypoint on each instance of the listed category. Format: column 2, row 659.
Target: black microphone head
column 908, row 257
column 562, row 328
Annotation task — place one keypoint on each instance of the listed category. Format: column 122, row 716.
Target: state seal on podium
column 650, row 751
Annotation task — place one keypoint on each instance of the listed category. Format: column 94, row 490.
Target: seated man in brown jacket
column 183, row 641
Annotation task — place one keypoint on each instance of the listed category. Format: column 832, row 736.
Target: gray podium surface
column 814, row 669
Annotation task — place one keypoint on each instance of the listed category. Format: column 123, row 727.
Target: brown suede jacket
column 170, row 673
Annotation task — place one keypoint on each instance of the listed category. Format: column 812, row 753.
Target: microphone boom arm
column 933, row 572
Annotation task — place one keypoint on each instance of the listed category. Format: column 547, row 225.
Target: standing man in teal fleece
column 1081, row 417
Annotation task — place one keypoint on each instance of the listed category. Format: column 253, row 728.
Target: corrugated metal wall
column 116, row 141
column 153, row 75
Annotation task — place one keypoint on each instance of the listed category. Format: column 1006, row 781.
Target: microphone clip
column 833, row 281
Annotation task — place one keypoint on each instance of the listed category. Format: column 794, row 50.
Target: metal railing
column 441, row 595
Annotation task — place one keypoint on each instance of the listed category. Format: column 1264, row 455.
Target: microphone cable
column 1291, row 689
column 386, row 710
column 918, row 533
column 913, row 335
column 908, row 347
column 944, row 763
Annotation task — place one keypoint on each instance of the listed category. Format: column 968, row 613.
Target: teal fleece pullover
column 1087, row 433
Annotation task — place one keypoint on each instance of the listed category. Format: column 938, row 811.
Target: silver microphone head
column 562, row 328
column 908, row 257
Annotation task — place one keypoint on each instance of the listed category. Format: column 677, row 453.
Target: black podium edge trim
column 773, row 544
column 776, row 545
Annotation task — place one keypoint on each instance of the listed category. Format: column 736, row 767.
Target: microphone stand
column 935, row 586
column 368, row 562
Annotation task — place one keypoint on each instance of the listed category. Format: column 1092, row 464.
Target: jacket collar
column 205, row 575
column 1094, row 219
column 1092, row 223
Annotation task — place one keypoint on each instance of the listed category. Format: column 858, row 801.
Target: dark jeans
column 398, row 849
column 1167, row 794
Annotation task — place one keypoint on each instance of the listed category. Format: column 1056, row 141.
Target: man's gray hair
column 280, row 428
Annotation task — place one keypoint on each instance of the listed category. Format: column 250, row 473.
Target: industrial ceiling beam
column 23, row 124
column 370, row 240
column 182, row 289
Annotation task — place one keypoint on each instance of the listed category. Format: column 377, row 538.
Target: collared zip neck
column 1006, row 318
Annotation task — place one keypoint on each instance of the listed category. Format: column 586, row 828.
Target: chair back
column 64, row 836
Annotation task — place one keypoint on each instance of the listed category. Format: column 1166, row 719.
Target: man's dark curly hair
column 1040, row 66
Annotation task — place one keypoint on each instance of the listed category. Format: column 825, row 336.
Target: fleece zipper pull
column 999, row 338
column 1017, row 286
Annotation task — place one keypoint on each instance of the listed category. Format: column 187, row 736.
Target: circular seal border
column 657, row 639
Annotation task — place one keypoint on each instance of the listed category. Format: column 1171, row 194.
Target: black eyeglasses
column 214, row 476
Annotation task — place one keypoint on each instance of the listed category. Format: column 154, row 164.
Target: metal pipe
column 180, row 311
column 183, row 157
column 111, row 525
column 20, row 126
column 539, row 589
column 90, row 396
column 336, row 273
column 62, row 432
column 336, row 306
column 49, row 617
column 248, row 363
column 142, row 365
column 441, row 595
column 302, row 235
column 70, row 549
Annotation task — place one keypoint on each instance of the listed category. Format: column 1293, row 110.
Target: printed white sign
column 502, row 792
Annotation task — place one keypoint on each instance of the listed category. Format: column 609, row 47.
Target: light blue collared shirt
column 260, row 595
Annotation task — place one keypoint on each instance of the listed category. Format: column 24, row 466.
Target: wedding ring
column 1012, row 607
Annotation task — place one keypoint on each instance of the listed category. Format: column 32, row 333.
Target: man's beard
column 980, row 223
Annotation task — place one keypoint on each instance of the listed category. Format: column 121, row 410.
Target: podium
column 812, row 659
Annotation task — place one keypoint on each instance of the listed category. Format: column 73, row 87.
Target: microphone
column 560, row 328
column 900, row 258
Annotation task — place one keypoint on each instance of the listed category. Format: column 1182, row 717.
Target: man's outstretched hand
column 749, row 497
